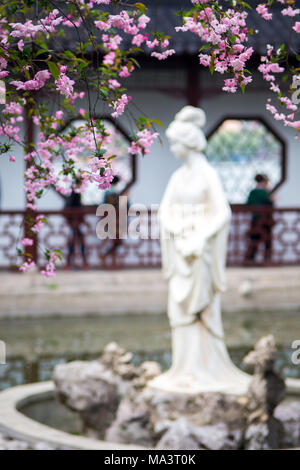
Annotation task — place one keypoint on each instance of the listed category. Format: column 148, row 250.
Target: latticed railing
column 259, row 236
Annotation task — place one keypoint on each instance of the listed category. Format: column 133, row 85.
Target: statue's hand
column 190, row 249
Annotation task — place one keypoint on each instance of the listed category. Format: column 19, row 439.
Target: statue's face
column 178, row 149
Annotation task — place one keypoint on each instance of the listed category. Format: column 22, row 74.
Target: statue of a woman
column 194, row 220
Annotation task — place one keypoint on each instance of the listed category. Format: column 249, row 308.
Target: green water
column 34, row 346
column 32, row 337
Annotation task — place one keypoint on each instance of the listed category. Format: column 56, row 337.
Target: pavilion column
column 29, row 213
column 193, row 92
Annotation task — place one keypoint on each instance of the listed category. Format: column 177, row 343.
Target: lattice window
column 123, row 164
column 241, row 148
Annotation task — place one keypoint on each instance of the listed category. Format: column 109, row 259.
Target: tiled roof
column 163, row 19
column 273, row 32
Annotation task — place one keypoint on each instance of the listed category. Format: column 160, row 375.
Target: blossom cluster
column 115, row 61
column 42, row 69
column 143, row 142
column 225, row 34
column 95, row 70
column 270, row 69
column 276, row 71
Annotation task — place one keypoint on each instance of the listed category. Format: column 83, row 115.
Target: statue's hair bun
column 193, row 115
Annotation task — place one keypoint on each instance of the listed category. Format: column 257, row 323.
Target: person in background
column 76, row 237
column 261, row 224
column 112, row 196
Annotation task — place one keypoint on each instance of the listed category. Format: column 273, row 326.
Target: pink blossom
column 295, row 125
column 21, row 45
column 152, row 44
column 109, row 58
column 125, row 71
column 230, row 85
column 119, row 105
column 102, row 25
column 138, row 39
column 27, row 242
column 113, row 84
column 59, row 114
column 26, row 266
column 13, row 108
column 65, row 85
column 50, row 21
column 289, row 11
column 143, row 21
column 27, row 29
column 112, row 42
column 71, row 24
column 38, row 81
column 279, row 116
column 217, row 31
column 163, row 55
column 143, row 142
column 264, row 12
column 39, row 222
column 296, row 27
column 271, row 108
column 49, row 270
column 3, row 63
column 205, row 60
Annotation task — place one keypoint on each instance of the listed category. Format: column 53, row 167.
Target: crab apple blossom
column 143, row 142
column 296, row 27
column 27, row 242
column 263, row 10
column 119, row 105
column 163, row 55
column 36, row 83
column 225, row 35
column 64, row 84
column 49, row 270
column 39, row 70
column 26, row 266
column 290, row 11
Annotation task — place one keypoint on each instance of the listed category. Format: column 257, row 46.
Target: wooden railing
column 259, row 236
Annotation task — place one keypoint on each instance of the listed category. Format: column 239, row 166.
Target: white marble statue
column 194, row 220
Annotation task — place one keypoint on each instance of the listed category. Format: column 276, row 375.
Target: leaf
column 41, row 51
column 100, row 153
column 140, row 6
column 156, row 121
column 58, row 254
column 205, row 46
column 43, row 219
column 104, row 92
column 135, row 62
column 54, row 70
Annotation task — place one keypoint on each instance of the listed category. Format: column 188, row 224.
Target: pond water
column 35, row 346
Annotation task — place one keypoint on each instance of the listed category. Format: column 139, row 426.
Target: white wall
column 155, row 169
column 12, row 180
column 253, row 103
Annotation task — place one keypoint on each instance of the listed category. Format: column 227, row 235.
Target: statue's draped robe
column 194, row 220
